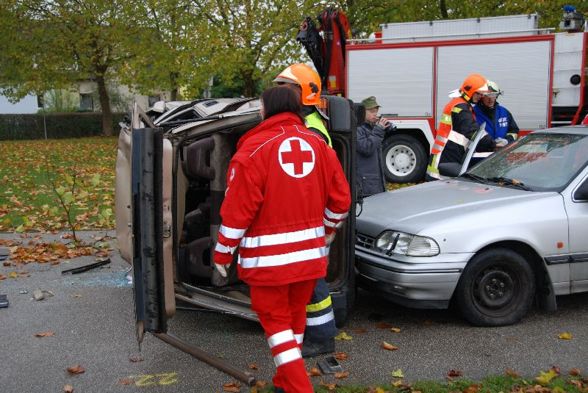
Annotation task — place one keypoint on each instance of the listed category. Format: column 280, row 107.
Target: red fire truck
column 412, row 67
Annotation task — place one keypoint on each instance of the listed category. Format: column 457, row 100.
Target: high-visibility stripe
column 320, row 320
column 287, row 356
column 456, row 109
column 231, row 233
column 299, row 338
column 320, row 305
column 283, row 259
column 441, row 139
column 283, row 238
column 446, row 119
column 483, row 154
column 280, row 338
column 224, row 249
column 458, row 138
column 335, row 216
column 332, row 224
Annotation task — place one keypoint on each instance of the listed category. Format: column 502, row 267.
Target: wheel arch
column 544, row 295
column 415, row 133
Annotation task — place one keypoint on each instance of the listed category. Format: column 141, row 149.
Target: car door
column 577, row 211
column 151, row 193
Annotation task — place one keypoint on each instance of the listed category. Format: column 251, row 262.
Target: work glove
column 501, row 142
column 222, row 269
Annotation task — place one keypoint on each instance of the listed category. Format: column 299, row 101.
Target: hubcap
column 400, row 160
column 494, row 288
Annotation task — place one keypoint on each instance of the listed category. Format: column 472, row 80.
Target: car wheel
column 405, row 160
column 496, row 288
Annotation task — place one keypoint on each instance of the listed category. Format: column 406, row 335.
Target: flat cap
column 370, row 103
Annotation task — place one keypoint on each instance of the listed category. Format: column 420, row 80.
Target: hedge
column 59, row 125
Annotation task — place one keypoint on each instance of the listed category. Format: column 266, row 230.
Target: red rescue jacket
column 285, row 190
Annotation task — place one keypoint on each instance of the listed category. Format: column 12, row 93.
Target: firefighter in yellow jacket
column 458, row 125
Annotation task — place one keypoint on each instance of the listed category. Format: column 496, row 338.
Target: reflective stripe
column 320, row 320
column 320, row 305
column 280, row 338
column 445, row 118
column 331, row 224
column 299, row 338
column 458, row 138
column 283, row 238
column 231, row 233
column 287, row 356
column 483, row 154
column 224, row 249
column 456, row 109
column 441, row 139
column 335, row 216
column 283, row 259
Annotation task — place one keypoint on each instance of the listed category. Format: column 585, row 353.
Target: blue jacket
column 499, row 121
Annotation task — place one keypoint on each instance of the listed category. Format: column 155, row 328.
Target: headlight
column 393, row 242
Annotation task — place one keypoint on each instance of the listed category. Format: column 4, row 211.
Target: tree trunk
column 443, row 9
column 105, row 105
column 249, row 88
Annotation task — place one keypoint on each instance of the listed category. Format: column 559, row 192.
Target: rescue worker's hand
column 222, row 269
column 501, row 142
column 329, row 237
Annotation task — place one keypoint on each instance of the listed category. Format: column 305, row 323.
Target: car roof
column 576, row 130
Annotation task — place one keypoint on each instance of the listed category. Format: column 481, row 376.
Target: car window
column 542, row 162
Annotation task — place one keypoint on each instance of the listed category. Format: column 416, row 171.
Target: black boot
column 311, row 349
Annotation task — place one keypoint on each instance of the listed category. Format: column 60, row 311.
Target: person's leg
column 319, row 336
column 300, row 294
column 272, row 307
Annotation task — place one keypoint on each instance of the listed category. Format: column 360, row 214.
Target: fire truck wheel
column 496, row 288
column 405, row 159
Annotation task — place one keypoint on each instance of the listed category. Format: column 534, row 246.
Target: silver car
column 512, row 229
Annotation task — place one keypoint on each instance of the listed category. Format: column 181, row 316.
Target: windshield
column 538, row 162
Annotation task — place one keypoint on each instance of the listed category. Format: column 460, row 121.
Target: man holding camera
column 370, row 134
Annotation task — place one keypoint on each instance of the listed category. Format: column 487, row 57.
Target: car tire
column 405, row 159
column 496, row 288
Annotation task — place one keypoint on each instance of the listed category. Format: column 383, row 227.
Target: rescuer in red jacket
column 286, row 192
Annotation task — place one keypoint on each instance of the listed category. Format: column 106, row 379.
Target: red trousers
column 282, row 313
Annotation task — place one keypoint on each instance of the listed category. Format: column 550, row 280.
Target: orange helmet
column 474, row 83
column 308, row 79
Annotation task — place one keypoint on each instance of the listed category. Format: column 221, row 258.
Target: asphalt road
column 92, row 318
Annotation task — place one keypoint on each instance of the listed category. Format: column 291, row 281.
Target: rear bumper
column 417, row 285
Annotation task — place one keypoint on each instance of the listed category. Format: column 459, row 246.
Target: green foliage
column 61, row 100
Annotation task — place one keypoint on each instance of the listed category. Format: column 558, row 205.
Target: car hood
column 444, row 203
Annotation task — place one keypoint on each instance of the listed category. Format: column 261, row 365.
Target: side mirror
column 451, row 169
column 339, row 114
column 581, row 193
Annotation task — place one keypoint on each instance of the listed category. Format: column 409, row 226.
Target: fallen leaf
column 260, row 384
column 545, row 377
column 2, row 277
column 314, row 372
column 454, row 373
column 384, row 325
column 329, row 386
column 398, row 383
column 341, row 356
column 359, row 330
column 233, row 387
column 126, row 381
column 342, row 374
column 397, row 374
column 253, row 366
column 68, row 389
column 395, row 330
column 578, row 384
column 556, row 369
column 565, row 336
column 45, row 334
column 12, row 275
column 388, row 346
column 512, row 373
column 379, row 390
column 135, row 358
column 343, row 336
column 575, row 372
column 77, row 369
column 472, row 389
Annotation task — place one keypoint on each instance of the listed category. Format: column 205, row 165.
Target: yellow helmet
column 307, row 78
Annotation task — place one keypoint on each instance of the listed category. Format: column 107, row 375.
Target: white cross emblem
column 296, row 157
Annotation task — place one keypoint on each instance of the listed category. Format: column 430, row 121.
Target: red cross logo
column 296, row 157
